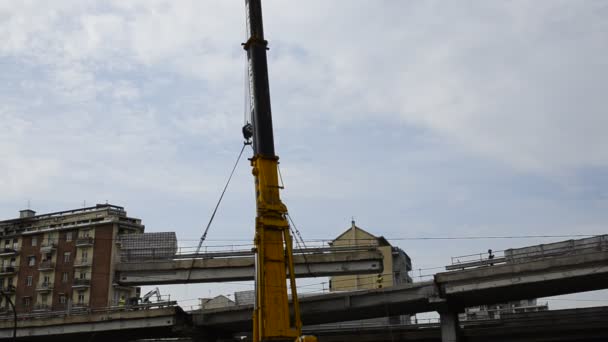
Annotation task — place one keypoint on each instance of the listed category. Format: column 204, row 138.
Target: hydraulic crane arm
column 273, row 244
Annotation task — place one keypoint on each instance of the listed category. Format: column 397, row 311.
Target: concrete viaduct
column 447, row 294
column 239, row 266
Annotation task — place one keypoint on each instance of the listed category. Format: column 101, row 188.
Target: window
column 34, row 241
column 85, row 233
column 80, row 297
column 13, row 262
column 47, row 280
column 64, row 277
column 28, row 281
column 9, row 282
column 85, row 255
column 62, row 299
column 31, row 260
column 68, row 236
column 7, row 243
column 67, row 257
column 83, row 275
column 44, row 299
column 27, row 301
column 48, row 257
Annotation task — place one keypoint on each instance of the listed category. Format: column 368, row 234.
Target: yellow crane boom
column 273, row 243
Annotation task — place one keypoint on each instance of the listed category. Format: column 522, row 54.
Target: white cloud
column 142, row 101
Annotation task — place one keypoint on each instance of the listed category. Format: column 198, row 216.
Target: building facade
column 397, row 265
column 63, row 260
column 396, row 262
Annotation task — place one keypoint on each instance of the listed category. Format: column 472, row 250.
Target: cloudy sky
column 418, row 119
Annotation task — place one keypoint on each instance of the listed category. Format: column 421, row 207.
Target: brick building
column 63, row 260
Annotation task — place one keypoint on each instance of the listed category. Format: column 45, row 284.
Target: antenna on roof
column 28, row 204
column 352, row 218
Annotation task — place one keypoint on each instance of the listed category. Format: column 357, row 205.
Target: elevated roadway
column 583, row 325
column 448, row 292
column 534, row 278
column 239, row 266
column 334, row 307
column 112, row 325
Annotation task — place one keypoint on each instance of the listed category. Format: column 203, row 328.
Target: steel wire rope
column 294, row 229
column 297, row 236
column 200, row 243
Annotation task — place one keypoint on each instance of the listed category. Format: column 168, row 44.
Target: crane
column 272, row 242
column 147, row 296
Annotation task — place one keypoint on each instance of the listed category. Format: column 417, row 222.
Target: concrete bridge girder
column 242, row 268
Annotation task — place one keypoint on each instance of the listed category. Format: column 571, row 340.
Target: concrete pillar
column 450, row 329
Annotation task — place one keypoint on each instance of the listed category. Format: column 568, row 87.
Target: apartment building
column 63, row 260
column 396, row 262
column 397, row 265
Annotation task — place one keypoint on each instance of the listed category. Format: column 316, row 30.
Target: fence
column 517, row 255
column 83, row 310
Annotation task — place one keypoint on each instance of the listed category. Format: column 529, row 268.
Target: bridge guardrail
column 246, row 252
column 529, row 253
column 84, row 310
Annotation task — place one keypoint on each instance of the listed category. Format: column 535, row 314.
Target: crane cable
column 200, row 243
column 294, row 230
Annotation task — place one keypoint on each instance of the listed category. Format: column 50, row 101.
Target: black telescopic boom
column 256, row 46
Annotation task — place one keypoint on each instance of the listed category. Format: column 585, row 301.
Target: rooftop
column 29, row 222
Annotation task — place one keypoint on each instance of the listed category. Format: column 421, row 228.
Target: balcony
column 82, row 263
column 9, row 289
column 46, row 265
column 81, row 282
column 80, row 307
column 42, row 307
column 44, row 287
column 9, row 251
column 7, row 270
column 48, row 246
column 84, row 241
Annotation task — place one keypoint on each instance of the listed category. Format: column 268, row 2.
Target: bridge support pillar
column 450, row 329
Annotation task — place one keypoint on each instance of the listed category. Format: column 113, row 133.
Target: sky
column 417, row 119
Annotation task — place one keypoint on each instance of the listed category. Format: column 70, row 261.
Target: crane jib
column 256, row 46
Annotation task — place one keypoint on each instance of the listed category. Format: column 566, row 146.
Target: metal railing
column 81, row 210
column 42, row 307
column 375, row 323
column 84, row 241
column 81, row 282
column 84, row 309
column 44, row 287
column 189, row 253
column 8, row 269
column 10, row 250
column 529, row 253
column 82, row 262
column 46, row 265
column 8, row 289
column 49, row 243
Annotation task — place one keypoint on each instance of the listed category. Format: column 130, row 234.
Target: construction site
column 97, row 273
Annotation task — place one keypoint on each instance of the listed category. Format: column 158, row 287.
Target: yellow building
column 396, row 262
